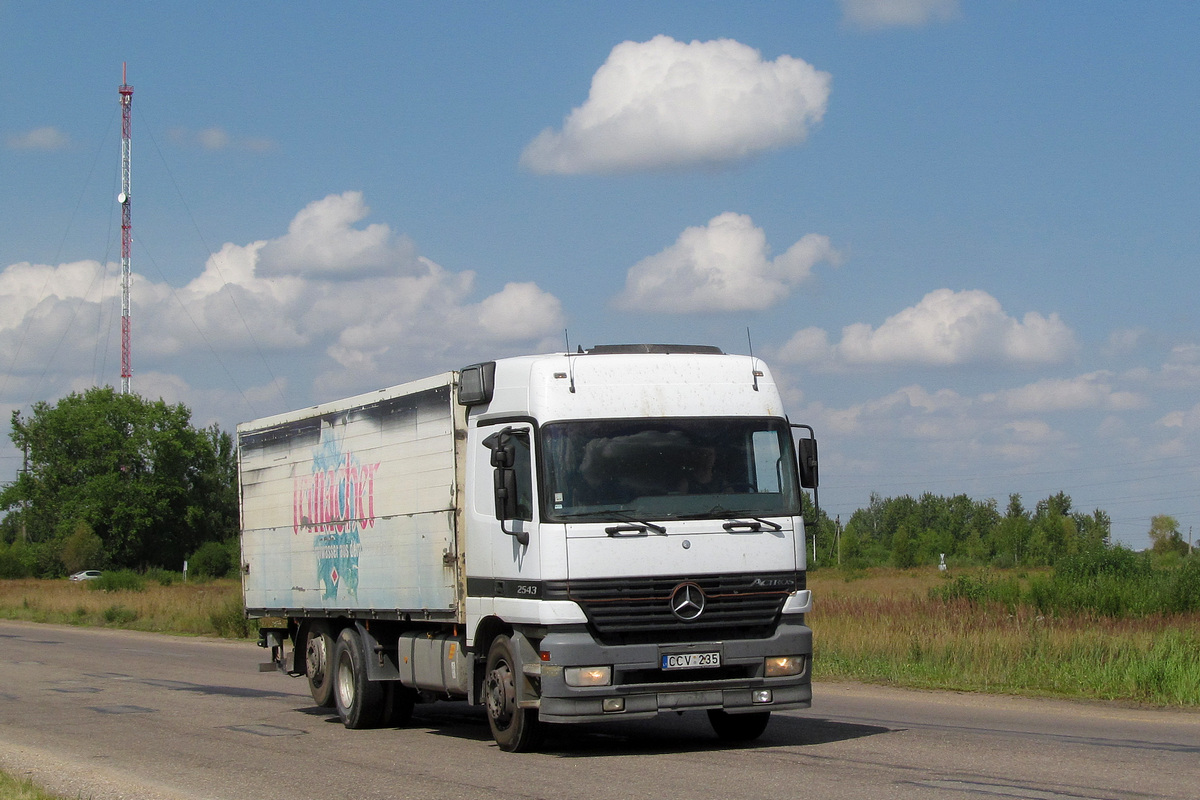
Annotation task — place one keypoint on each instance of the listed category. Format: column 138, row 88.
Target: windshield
column 687, row 468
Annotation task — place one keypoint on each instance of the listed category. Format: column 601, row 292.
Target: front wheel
column 738, row 727
column 359, row 701
column 516, row 730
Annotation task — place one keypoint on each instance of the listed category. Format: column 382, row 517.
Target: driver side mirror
column 806, row 461
column 806, row 451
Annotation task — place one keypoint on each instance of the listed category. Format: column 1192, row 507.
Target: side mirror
column 806, row 451
column 806, row 460
column 504, row 479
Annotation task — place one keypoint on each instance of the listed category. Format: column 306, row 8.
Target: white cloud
column 338, row 310
column 663, row 103
column 1092, row 391
column 1187, row 421
column 322, row 242
column 45, row 138
column 876, row 14
column 723, row 266
column 946, row 328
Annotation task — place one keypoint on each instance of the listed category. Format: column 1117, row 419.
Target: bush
column 1118, row 583
column 164, row 577
column 979, row 590
column 212, row 560
column 229, row 621
column 15, row 561
column 1182, row 594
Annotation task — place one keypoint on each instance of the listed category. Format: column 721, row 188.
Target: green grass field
column 887, row 626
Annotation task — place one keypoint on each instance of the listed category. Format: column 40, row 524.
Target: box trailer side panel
column 352, row 507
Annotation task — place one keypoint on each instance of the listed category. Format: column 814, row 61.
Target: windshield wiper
column 637, row 525
column 756, row 524
column 606, row 514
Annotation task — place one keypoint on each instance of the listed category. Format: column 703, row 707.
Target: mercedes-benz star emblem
column 687, row 601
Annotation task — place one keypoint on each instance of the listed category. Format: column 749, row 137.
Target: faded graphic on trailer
column 333, row 505
column 352, row 506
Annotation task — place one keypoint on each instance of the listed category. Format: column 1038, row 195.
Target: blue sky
column 963, row 234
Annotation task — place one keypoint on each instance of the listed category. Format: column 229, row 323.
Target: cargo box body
column 350, row 507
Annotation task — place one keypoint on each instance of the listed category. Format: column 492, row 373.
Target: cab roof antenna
column 570, row 361
column 754, row 371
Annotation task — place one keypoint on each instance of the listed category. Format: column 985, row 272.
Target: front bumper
column 646, row 689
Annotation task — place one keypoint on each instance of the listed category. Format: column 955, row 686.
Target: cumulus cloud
column 725, row 265
column 876, row 14
column 334, row 308
column 1187, row 421
column 45, row 138
column 322, row 242
column 663, row 104
column 1016, row 424
column 1091, row 391
column 946, row 328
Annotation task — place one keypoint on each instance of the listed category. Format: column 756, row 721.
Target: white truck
column 600, row 535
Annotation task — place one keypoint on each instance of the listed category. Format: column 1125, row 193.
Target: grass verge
column 887, row 626
column 13, row 789
column 212, row 608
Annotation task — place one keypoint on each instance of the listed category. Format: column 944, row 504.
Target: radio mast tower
column 126, row 92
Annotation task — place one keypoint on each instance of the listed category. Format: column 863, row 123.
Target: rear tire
column 359, row 701
column 738, row 727
column 318, row 664
column 516, row 730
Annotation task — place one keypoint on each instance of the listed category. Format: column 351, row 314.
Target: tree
column 147, row 483
column 1165, row 536
column 82, row 549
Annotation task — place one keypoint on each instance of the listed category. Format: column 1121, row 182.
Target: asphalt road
column 110, row 714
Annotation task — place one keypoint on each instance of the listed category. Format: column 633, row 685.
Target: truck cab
column 652, row 553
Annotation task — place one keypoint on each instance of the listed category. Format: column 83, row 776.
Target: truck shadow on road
column 666, row 734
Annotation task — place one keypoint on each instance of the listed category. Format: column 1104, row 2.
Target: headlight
column 588, row 676
column 782, row 666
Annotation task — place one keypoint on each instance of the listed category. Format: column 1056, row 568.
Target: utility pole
column 126, row 93
column 838, row 523
column 25, row 489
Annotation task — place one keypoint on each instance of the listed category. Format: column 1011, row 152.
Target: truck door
column 505, row 510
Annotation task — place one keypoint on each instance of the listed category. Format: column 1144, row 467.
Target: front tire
column 359, row 701
column 516, row 730
column 738, row 727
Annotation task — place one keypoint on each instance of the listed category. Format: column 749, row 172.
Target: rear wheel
column 359, row 701
column 738, row 727
column 318, row 664
column 516, row 730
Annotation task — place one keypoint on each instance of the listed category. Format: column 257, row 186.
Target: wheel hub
column 501, row 694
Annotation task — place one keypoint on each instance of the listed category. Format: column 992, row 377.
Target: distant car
column 86, row 575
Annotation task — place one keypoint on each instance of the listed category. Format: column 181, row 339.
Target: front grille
column 638, row 610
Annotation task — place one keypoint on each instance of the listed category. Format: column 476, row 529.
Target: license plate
column 690, row 660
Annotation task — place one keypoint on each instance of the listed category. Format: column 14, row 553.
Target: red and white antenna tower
column 126, row 92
